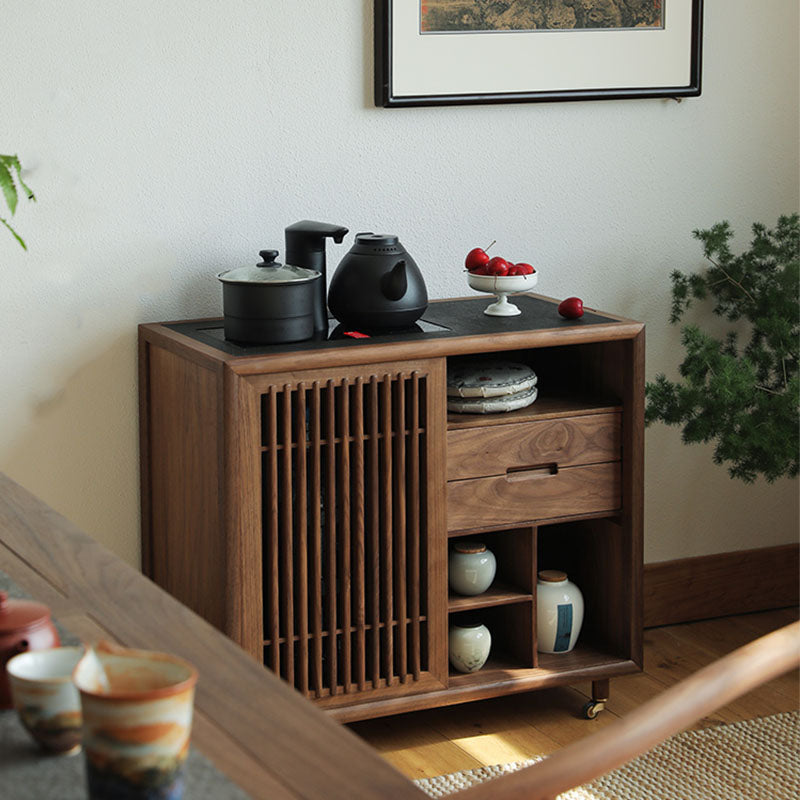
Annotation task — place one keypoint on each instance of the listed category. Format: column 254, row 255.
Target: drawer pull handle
column 529, row 473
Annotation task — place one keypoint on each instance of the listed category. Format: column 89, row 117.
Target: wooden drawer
column 566, row 441
column 524, row 497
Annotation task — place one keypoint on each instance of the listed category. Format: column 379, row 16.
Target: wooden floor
column 470, row 735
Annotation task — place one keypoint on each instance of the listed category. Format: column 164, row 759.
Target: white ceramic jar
column 559, row 612
column 470, row 643
column 471, row 568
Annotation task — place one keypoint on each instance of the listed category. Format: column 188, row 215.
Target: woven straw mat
column 751, row 760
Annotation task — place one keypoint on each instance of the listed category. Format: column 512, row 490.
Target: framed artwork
column 450, row 52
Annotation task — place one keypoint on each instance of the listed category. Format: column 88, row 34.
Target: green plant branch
column 729, row 278
column 744, row 399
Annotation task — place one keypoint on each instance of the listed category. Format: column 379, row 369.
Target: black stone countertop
column 444, row 319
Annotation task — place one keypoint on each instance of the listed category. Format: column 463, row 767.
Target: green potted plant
column 10, row 176
column 740, row 391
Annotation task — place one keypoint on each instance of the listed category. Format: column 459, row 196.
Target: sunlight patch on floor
column 420, row 751
column 501, row 748
column 491, row 749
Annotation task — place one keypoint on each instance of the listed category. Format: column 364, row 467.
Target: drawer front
column 567, row 441
column 522, row 497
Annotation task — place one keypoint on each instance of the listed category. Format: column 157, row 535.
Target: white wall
column 170, row 140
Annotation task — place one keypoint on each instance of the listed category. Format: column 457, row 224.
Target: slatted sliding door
column 352, row 532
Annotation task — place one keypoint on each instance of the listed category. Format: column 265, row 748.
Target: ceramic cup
column 137, row 718
column 45, row 697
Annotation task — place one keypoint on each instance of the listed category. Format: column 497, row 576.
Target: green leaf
column 26, row 188
column 10, row 166
column 14, row 234
column 8, row 186
column 12, row 163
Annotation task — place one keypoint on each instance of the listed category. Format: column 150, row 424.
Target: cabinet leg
column 600, row 691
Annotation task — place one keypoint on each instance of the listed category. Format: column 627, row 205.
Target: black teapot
column 377, row 285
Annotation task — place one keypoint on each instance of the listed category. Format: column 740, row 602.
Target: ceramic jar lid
column 552, row 575
column 269, row 271
column 469, row 547
column 18, row 615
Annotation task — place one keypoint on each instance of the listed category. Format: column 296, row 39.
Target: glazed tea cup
column 45, row 697
column 137, row 718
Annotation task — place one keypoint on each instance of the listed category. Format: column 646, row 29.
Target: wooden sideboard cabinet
column 301, row 497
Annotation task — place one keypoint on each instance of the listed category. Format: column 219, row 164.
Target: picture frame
column 419, row 67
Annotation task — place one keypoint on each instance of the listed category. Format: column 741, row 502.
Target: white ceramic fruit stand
column 502, row 287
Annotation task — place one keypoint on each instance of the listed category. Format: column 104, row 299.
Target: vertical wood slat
column 273, row 570
column 287, row 555
column 343, row 481
column 415, row 589
column 400, row 527
column 315, row 504
column 330, row 525
column 301, row 531
column 386, row 495
column 358, row 531
column 287, row 566
column 374, row 526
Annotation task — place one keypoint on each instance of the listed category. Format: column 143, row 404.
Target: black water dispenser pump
column 305, row 247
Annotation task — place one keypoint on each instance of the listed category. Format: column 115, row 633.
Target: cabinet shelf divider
column 497, row 595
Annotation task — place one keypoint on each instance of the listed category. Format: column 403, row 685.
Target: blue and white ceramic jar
column 559, row 612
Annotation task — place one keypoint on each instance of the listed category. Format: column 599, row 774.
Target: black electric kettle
column 377, row 285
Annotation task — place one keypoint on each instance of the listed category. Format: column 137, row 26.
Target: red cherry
column 476, row 258
column 527, row 269
column 571, row 308
column 479, row 271
column 516, row 270
column 497, row 266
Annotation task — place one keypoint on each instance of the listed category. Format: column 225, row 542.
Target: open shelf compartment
column 573, row 380
column 515, row 579
column 597, row 557
column 511, row 628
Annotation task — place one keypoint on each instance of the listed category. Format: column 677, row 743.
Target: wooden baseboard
column 720, row 585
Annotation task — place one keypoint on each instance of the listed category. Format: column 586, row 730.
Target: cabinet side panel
column 240, row 498
column 633, row 486
column 186, row 552
column 144, row 455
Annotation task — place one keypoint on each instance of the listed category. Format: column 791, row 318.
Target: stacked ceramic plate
column 489, row 386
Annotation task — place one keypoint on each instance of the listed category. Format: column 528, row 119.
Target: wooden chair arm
column 672, row 711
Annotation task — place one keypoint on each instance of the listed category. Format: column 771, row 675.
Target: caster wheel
column 593, row 708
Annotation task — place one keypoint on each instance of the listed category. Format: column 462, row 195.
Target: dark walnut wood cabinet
column 301, row 497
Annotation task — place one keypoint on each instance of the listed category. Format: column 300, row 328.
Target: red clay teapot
column 24, row 625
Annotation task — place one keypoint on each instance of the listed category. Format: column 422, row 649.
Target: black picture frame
column 387, row 94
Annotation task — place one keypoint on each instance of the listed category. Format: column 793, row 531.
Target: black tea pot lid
column 269, row 271
column 373, row 244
